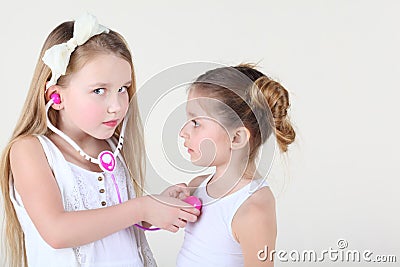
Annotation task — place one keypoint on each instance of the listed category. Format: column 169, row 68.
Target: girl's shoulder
column 258, row 210
column 25, row 152
column 29, row 165
column 260, row 203
column 196, row 182
column 25, row 146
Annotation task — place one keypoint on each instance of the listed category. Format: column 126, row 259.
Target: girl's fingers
column 189, row 217
column 180, row 223
column 183, row 195
column 182, row 189
column 172, row 228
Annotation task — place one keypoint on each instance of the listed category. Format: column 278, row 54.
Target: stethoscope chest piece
column 107, row 161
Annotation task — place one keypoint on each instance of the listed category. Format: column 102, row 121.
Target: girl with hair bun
column 232, row 112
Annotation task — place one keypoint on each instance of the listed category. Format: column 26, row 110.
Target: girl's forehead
column 104, row 68
column 194, row 107
column 197, row 104
column 193, row 94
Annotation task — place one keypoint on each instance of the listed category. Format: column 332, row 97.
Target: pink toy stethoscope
column 106, row 159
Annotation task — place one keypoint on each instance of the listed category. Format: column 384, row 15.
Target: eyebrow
column 101, row 84
column 192, row 114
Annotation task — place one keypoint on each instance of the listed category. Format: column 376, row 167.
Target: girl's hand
column 180, row 191
column 167, row 212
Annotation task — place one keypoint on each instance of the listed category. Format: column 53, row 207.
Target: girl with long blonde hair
column 72, row 173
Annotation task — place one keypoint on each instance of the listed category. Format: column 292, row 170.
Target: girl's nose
column 184, row 132
column 114, row 104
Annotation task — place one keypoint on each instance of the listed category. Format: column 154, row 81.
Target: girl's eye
column 123, row 89
column 99, row 91
column 195, row 123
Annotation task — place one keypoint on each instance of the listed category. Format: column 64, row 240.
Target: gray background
column 340, row 62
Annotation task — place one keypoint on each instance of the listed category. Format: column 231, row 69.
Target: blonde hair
column 247, row 96
column 33, row 122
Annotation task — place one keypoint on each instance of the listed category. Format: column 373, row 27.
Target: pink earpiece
column 194, row 201
column 56, row 98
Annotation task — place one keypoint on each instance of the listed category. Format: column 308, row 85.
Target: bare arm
column 42, row 200
column 254, row 227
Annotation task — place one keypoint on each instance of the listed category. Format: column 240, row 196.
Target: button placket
column 101, row 190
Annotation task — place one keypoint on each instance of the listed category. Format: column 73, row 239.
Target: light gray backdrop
column 340, row 62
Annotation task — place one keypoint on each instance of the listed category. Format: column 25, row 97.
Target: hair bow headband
column 57, row 57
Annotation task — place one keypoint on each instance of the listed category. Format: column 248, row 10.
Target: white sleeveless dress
column 82, row 190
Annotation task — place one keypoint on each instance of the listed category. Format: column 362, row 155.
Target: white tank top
column 209, row 241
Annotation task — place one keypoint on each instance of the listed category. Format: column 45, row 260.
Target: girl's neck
column 85, row 141
column 231, row 177
column 90, row 146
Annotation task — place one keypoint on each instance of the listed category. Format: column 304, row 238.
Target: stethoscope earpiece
column 56, row 98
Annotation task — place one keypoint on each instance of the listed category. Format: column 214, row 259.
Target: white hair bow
column 57, row 57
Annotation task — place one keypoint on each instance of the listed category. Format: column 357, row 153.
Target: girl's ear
column 54, row 91
column 241, row 137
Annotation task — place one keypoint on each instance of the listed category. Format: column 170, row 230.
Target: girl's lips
column 112, row 123
column 189, row 150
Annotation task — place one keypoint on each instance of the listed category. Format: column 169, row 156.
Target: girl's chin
column 201, row 163
column 104, row 136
